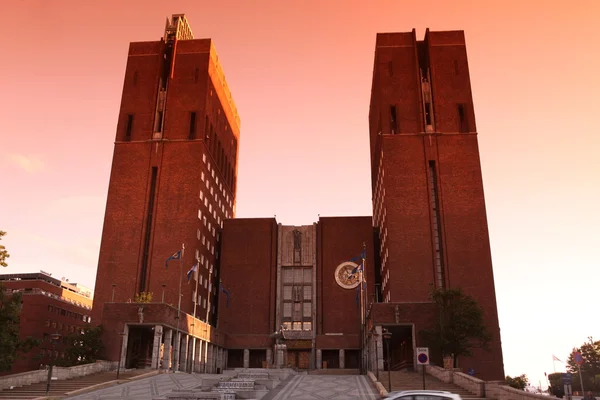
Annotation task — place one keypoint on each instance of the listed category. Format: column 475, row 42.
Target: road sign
column 471, row 372
column 578, row 358
column 422, row 355
column 567, row 378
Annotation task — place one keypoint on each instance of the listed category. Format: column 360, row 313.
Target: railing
column 38, row 291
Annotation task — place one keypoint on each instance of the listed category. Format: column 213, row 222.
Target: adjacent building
column 229, row 292
column 50, row 306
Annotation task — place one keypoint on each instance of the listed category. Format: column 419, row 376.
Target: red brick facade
column 173, row 182
column 428, row 191
column 50, row 306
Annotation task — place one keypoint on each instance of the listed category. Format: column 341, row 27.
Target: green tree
column 11, row 345
column 459, row 326
column 3, row 252
column 143, row 297
column 556, row 384
column 84, row 347
column 590, row 368
column 518, row 382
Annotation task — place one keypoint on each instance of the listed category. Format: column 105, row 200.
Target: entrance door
column 303, row 359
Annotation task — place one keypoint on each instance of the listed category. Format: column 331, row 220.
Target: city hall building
column 263, row 294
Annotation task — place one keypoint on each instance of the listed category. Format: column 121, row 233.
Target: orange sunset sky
column 300, row 73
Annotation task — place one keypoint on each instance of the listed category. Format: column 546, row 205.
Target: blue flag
column 191, row 271
column 222, row 288
column 175, row 256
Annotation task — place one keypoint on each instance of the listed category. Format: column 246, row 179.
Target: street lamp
column 54, row 338
column 387, row 335
column 122, row 334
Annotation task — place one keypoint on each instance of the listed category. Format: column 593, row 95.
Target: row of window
column 67, row 313
column 59, row 326
column 461, row 115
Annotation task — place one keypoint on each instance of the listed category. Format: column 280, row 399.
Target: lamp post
column 387, row 335
column 55, row 338
column 122, row 334
column 112, row 300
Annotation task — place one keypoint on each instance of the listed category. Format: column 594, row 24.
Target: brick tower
column 428, row 200
column 173, row 182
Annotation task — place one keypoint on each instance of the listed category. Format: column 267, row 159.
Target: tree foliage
column 3, row 252
column 459, row 326
column 556, row 388
column 84, row 347
column 590, row 368
column 11, row 345
column 143, row 297
column 518, row 382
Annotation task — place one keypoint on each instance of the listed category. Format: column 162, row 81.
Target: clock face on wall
column 344, row 276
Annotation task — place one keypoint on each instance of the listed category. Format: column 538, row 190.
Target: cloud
column 30, row 164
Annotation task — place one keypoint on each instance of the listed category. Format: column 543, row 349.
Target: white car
column 423, row 395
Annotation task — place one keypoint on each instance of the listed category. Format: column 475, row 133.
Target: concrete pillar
column 342, row 359
column 176, row 350
column 205, row 356
column 219, row 360
column 158, row 330
column 166, row 360
column 269, row 356
column 183, row 352
column 209, row 359
column 124, row 340
column 379, row 347
column 190, row 355
column 199, row 355
column 246, row 358
column 319, row 359
column 225, row 359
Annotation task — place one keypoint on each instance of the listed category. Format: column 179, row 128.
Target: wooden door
column 303, row 360
column 292, row 359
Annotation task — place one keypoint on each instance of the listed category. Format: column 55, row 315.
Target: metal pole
column 581, row 381
column 389, row 357
column 192, row 366
column 177, row 335
column 423, row 376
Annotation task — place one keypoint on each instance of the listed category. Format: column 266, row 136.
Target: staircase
column 59, row 388
column 408, row 380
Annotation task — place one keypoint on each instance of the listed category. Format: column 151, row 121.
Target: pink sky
column 300, row 73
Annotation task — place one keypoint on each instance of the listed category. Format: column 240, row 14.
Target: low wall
column 501, row 391
column 498, row 390
column 470, row 383
column 60, row 373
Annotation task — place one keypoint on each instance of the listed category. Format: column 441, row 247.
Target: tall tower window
column 393, row 120
column 437, row 236
column 463, row 125
column 129, row 126
column 297, row 298
column 192, row 126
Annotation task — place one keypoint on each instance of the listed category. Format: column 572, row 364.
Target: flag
column 191, row 271
column 175, row 256
column 222, row 289
column 554, row 358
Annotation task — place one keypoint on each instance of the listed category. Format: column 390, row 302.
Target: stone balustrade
column 60, row 373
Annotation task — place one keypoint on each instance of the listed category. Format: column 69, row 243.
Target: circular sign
column 346, row 275
column 578, row 358
column 422, row 358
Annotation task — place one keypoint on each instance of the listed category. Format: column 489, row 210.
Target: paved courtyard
column 299, row 387
column 145, row 389
column 338, row 387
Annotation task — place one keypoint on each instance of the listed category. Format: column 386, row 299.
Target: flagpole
column 362, row 314
column 194, row 322
column 178, row 334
